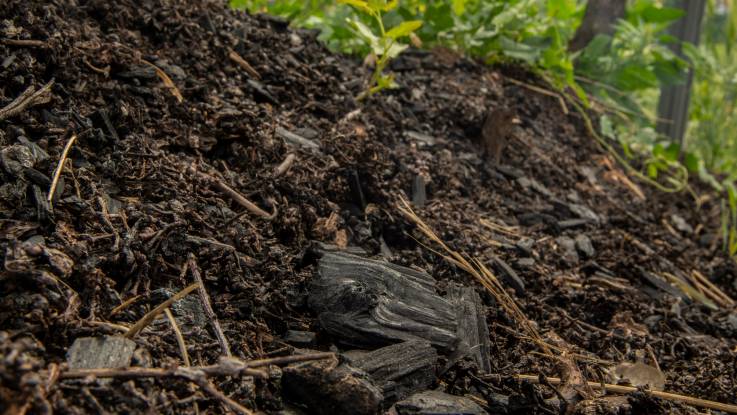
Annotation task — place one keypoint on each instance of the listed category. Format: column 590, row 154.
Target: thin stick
column 208, row 387
column 714, row 289
column 543, row 91
column 237, row 197
column 124, row 305
column 59, row 168
column 179, row 337
column 285, row 165
column 235, row 57
column 27, row 98
column 182, row 347
column 166, row 80
column 192, row 265
column 29, row 43
column 227, row 367
column 703, row 403
column 151, row 315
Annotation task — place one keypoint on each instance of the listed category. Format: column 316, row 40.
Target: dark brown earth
column 137, row 198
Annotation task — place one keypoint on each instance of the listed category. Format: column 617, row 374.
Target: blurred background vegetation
column 619, row 75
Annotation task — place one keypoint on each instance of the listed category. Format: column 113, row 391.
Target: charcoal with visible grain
column 325, row 387
column 438, row 403
column 368, row 304
column 472, row 331
column 400, row 369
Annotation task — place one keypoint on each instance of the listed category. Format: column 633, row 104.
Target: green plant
column 384, row 44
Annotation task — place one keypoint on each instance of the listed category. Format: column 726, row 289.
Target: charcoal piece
column 398, row 370
column 497, row 403
column 568, row 248
column 354, row 184
column 423, row 140
column 510, row 172
column 419, row 196
column 38, row 178
column 438, row 403
column 584, row 212
column 473, row 331
column 584, row 246
column 509, row 275
column 300, row 338
column 524, row 245
column 327, row 388
column 318, row 246
column 367, row 303
column 43, row 207
column 262, row 92
column 295, row 140
column 572, row 223
column 100, row 352
column 681, row 224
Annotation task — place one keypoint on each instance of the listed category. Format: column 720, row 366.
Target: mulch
column 184, row 117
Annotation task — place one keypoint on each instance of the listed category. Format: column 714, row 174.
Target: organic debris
column 150, row 149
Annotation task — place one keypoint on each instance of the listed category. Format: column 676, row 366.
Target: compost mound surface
column 200, row 142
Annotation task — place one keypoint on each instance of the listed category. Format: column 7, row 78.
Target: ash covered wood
column 367, row 303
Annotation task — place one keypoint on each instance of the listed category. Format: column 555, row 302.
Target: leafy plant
column 384, row 45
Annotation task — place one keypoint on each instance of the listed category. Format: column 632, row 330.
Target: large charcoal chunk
column 400, row 369
column 328, row 388
column 367, row 303
column 101, row 352
column 472, row 328
column 438, row 403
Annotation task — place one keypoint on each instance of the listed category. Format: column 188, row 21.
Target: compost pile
column 205, row 146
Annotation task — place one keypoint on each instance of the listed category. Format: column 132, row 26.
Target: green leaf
column 376, row 5
column 634, row 77
column 653, row 14
column 652, row 171
column 691, row 161
column 518, row 50
column 395, row 49
column 359, row 4
column 459, row 6
column 365, row 33
column 404, row 29
column 607, row 129
column 390, row 6
column 672, row 152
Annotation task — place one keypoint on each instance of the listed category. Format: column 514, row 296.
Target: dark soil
column 131, row 206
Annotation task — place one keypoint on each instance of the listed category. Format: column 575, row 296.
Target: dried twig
column 227, row 366
column 192, row 265
column 233, row 194
column 235, row 57
column 182, row 347
column 27, row 98
column 207, row 386
column 166, row 80
column 28, row 43
column 285, row 165
column 543, row 91
column 125, row 304
column 59, row 168
column 713, row 291
column 151, row 315
column 703, row 403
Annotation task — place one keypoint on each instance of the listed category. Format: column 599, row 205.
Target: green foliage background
column 619, row 75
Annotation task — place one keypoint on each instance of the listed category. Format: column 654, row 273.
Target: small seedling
column 385, row 45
